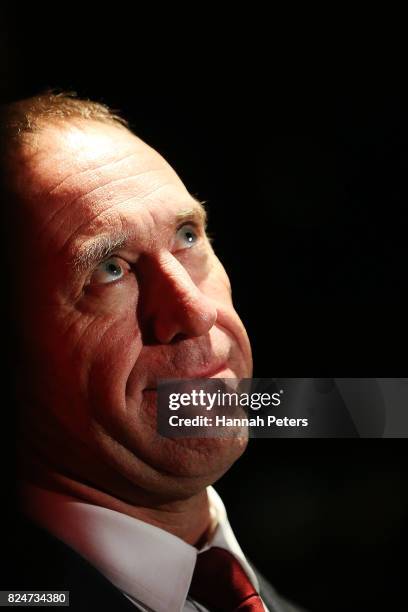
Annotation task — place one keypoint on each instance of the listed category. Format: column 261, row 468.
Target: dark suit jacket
column 38, row 561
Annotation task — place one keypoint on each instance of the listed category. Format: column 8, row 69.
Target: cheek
column 111, row 342
column 92, row 345
column 110, row 363
column 110, row 346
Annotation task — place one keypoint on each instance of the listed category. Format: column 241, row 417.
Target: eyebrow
column 103, row 246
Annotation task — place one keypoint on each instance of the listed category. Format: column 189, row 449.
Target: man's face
column 120, row 287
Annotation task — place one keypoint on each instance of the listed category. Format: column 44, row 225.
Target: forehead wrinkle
column 122, row 179
column 114, row 205
column 99, row 209
column 96, row 168
column 85, row 195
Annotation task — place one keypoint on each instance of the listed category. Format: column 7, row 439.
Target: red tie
column 220, row 583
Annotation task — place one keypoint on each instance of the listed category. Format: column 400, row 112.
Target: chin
column 188, row 466
column 195, row 456
column 199, row 457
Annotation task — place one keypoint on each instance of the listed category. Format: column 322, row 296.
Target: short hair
column 31, row 114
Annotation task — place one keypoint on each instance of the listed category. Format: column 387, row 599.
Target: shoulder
column 39, row 562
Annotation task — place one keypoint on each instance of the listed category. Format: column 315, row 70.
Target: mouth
column 214, row 370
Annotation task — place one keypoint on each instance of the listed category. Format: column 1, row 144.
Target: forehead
column 82, row 176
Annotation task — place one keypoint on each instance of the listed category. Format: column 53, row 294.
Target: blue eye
column 109, row 271
column 186, row 237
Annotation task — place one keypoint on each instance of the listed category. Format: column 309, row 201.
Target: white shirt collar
column 147, row 563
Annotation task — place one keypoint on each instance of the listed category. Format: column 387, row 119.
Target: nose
column 171, row 305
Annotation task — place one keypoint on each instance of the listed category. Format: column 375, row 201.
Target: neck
column 189, row 519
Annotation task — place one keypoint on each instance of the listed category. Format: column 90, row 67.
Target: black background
column 303, row 161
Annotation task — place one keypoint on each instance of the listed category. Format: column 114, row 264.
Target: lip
column 209, row 372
